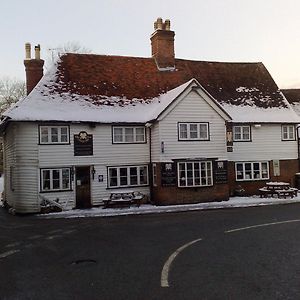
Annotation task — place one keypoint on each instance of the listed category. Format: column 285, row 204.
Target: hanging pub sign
column 83, row 144
column 220, row 171
column 168, row 174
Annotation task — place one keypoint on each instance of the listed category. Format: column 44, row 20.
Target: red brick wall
column 34, row 73
column 162, row 43
column 288, row 168
column 175, row 195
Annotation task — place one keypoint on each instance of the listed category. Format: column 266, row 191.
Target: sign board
column 276, row 167
column 220, row 171
column 83, row 144
column 168, row 174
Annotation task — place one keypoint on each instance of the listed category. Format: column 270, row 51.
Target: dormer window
column 288, row 132
column 129, row 135
column 241, row 133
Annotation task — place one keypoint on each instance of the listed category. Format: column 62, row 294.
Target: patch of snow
column 234, row 202
column 243, row 89
column 247, row 113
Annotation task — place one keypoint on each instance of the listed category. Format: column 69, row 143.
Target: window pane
column 237, row 132
column 203, row 132
column 66, row 179
column 264, row 167
column 64, row 134
column 55, row 179
column 193, row 131
column 256, row 170
column 143, row 175
column 118, row 135
column 291, row 132
column 54, row 135
column 140, row 134
column 182, row 174
column 123, row 176
column 248, row 170
column 44, row 134
column 183, row 131
column 239, row 171
column 46, row 179
column 246, row 133
column 129, row 135
column 113, row 177
column 133, row 176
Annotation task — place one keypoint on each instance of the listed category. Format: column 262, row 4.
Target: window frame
column 199, row 162
column 243, row 163
column 288, row 132
column 51, row 170
column 189, row 139
column 134, row 141
column 49, row 128
column 242, row 127
column 138, row 167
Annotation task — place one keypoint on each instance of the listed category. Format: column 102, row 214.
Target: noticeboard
column 83, row 144
column 220, row 171
column 168, row 174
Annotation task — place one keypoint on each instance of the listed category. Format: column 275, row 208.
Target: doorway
column 83, row 187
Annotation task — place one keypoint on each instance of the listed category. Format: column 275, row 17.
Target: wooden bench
column 286, row 193
column 265, row 192
column 123, row 200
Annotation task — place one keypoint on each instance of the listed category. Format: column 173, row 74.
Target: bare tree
column 11, row 90
column 70, row 47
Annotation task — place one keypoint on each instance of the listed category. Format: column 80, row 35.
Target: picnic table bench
column 123, row 199
column 279, row 189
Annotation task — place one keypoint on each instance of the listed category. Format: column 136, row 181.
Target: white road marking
column 12, row 245
column 261, row 225
column 5, row 254
column 51, row 237
column 164, row 281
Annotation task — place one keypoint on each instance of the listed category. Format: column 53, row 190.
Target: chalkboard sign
column 168, row 174
column 221, row 171
column 83, row 144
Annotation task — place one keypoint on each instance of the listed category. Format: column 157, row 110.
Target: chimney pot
column 27, row 51
column 37, row 50
column 159, row 23
column 167, row 25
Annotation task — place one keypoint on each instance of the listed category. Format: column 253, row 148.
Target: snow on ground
column 152, row 209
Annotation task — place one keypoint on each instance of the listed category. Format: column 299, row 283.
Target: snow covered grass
column 152, row 209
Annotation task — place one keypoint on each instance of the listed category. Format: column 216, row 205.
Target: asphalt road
column 123, row 257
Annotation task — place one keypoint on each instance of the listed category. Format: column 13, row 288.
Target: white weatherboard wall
column 190, row 109
column 266, row 144
column 21, row 156
column 9, row 163
column 105, row 154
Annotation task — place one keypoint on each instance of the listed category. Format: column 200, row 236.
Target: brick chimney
column 162, row 44
column 33, row 67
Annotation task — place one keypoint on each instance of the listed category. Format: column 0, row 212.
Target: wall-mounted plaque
column 168, row 174
column 83, row 144
column 221, row 171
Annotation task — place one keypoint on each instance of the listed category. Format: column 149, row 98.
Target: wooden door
column 83, row 187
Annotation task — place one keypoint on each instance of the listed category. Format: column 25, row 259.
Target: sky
column 216, row 30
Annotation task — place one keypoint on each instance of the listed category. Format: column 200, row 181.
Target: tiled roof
column 292, row 95
column 98, row 78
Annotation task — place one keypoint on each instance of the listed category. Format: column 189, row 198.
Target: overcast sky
column 214, row 30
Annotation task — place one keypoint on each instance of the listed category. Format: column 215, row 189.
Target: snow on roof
column 109, row 89
column 76, row 108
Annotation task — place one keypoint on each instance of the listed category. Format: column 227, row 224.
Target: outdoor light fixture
column 162, row 147
column 93, row 172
